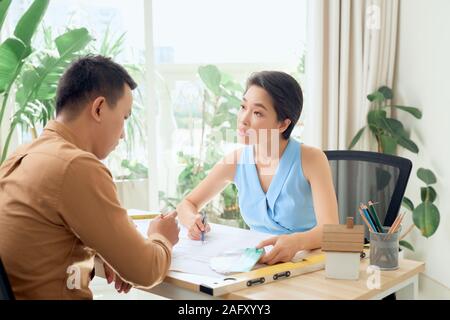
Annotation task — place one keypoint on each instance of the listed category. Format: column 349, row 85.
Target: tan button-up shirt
column 58, row 208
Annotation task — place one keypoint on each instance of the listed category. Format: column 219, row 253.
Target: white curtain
column 350, row 53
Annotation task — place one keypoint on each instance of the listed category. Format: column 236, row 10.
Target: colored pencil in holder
column 368, row 217
column 396, row 225
column 365, row 220
column 375, row 215
column 372, row 219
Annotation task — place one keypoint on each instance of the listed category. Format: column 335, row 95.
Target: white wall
column 423, row 80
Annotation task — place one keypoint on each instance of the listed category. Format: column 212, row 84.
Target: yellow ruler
column 277, row 272
column 136, row 214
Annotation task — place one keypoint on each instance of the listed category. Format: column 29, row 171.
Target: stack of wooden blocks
column 343, row 245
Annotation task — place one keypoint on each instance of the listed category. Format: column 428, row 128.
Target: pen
column 203, row 222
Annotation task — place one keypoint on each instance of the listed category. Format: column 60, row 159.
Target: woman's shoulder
column 311, row 152
column 312, row 159
column 228, row 164
column 233, row 156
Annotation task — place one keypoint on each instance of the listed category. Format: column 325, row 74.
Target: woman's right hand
column 196, row 226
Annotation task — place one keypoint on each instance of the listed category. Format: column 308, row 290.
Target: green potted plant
column 390, row 133
column 426, row 215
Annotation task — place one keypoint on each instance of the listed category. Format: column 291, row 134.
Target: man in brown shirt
column 58, row 202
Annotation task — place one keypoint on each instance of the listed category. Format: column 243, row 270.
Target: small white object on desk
column 343, row 245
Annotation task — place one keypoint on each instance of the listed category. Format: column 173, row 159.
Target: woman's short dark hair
column 89, row 77
column 285, row 92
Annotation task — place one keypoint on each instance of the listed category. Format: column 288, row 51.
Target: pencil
column 399, row 222
column 374, row 213
column 372, row 219
column 366, row 214
column 396, row 223
column 365, row 220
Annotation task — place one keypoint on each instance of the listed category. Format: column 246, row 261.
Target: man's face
column 111, row 127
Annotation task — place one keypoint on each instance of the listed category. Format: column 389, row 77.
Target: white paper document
column 193, row 256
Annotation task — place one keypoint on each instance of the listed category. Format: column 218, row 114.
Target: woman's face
column 257, row 118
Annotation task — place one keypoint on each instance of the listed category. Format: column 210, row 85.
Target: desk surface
column 314, row 286
column 311, row 286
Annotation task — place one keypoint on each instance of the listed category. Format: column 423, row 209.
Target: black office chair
column 6, row 292
column 360, row 176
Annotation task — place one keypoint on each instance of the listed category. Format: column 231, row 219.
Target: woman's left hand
column 284, row 249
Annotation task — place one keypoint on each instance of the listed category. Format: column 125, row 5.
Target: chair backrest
column 360, row 176
column 6, row 292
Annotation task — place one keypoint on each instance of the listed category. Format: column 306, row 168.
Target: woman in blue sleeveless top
column 285, row 187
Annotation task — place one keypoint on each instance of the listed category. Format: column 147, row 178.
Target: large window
column 189, row 43
column 229, row 38
column 117, row 31
column 232, row 31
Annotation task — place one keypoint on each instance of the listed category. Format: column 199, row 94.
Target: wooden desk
column 312, row 286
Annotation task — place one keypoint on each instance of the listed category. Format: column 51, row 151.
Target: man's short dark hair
column 285, row 92
column 88, row 78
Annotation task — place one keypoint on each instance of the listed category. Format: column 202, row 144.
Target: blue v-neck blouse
column 287, row 206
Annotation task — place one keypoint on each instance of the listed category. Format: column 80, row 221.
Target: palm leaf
column 4, row 6
column 28, row 23
column 41, row 82
column 72, row 41
column 12, row 51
